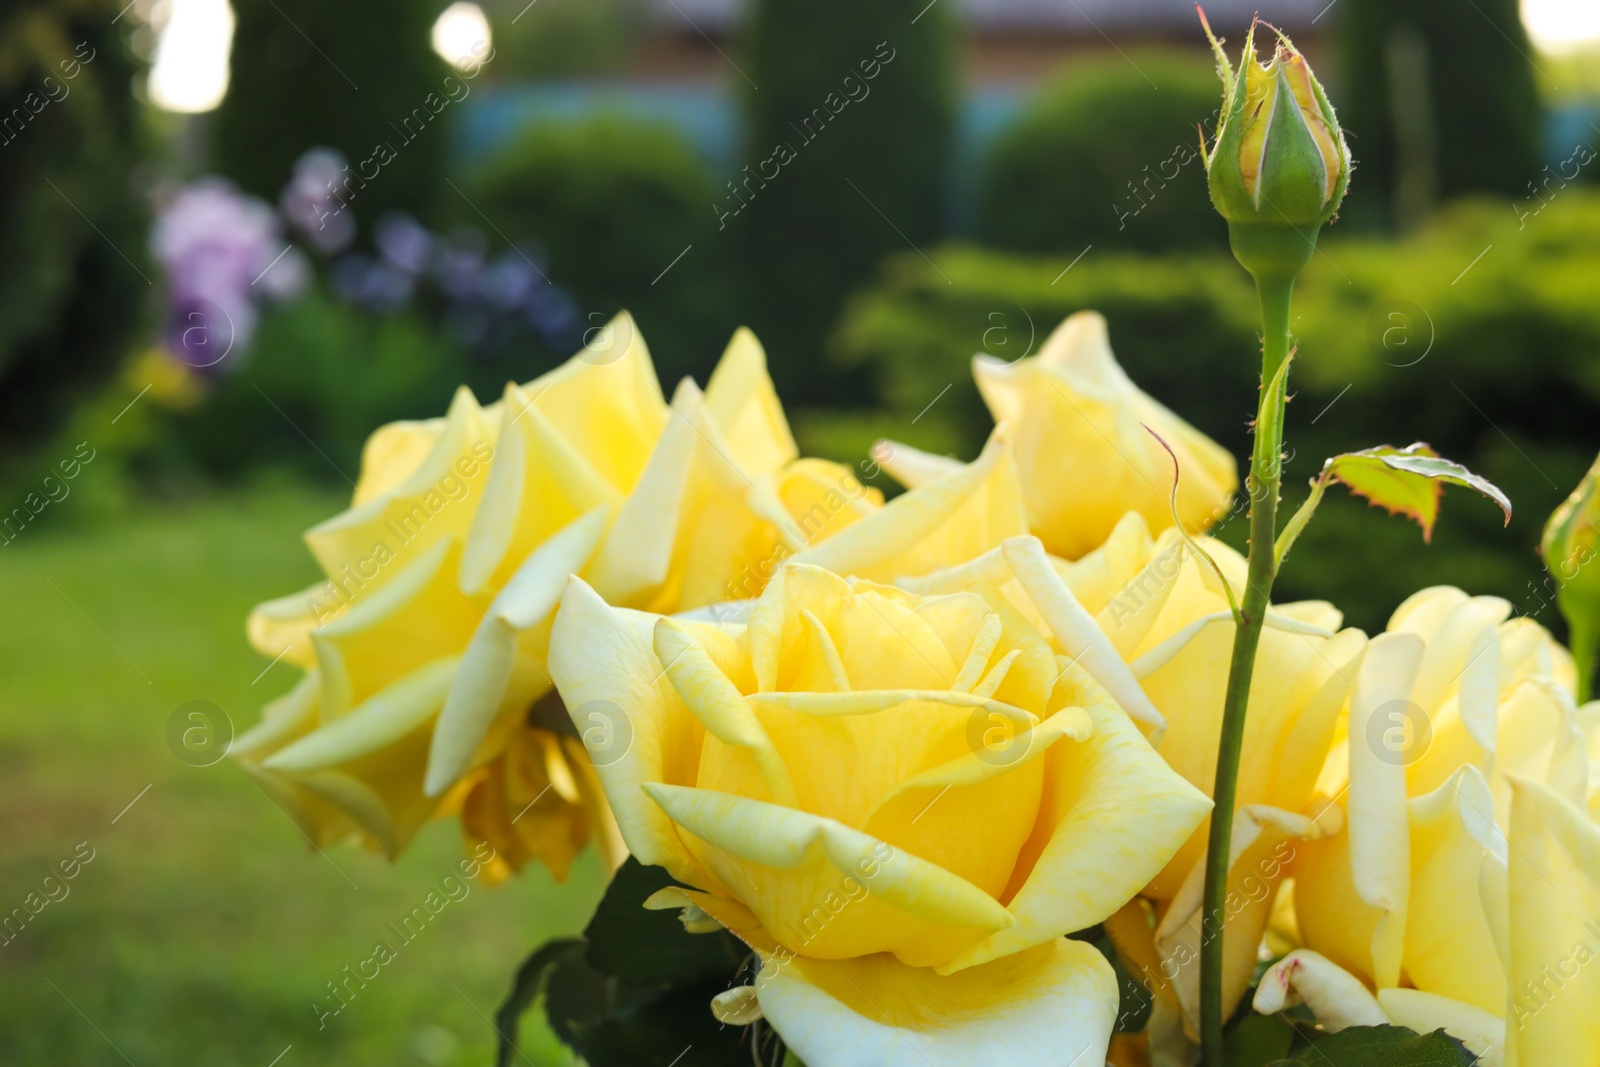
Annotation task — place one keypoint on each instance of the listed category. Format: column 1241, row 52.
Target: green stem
column 1584, row 637
column 1273, row 287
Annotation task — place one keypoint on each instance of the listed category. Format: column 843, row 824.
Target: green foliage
column 1108, row 154
column 1407, row 481
column 1493, row 360
column 636, row 985
column 614, row 202
column 1442, row 99
column 325, row 371
column 308, row 73
column 847, row 146
column 69, row 138
column 563, row 38
column 1379, row 1046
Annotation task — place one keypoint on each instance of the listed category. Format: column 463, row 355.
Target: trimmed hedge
column 615, row 202
column 1101, row 156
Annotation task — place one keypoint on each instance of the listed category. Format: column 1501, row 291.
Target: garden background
column 202, row 334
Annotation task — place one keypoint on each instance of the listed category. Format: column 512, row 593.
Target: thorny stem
column 1273, row 286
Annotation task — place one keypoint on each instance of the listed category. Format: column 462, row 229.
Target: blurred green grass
column 204, row 928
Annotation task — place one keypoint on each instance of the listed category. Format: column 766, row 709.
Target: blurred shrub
column 1494, row 360
column 563, row 38
column 69, row 138
column 324, row 372
column 847, row 149
column 1102, row 156
column 614, row 202
column 345, row 76
column 1440, row 102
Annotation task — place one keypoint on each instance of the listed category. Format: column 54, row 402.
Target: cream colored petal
column 282, row 627
column 1455, row 847
column 1111, row 816
column 941, row 523
column 1079, row 635
column 380, row 721
column 603, row 663
column 912, row 467
column 1335, row 996
column 1484, row 1033
column 1380, row 838
column 1555, row 931
column 1052, row 1004
column 480, row 690
column 741, row 829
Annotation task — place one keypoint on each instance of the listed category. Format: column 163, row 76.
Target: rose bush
column 901, row 802
column 1465, row 890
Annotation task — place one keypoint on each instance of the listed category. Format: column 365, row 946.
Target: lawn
column 202, row 929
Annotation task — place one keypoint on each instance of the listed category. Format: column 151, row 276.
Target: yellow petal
column 282, row 627
column 1555, row 931
column 1380, row 837
column 629, row 716
column 1455, row 848
column 1051, row 1004
column 392, row 454
column 1111, row 814
column 741, row 399
column 483, row 691
column 606, row 402
column 1082, row 448
column 418, row 617
column 1483, row 1032
column 738, row 837
column 377, row 723
column 912, row 467
column 938, row 524
column 539, row 484
column 368, row 546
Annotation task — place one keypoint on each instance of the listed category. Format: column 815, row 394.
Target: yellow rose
column 1150, row 620
column 1077, row 427
column 793, row 769
column 1465, row 890
column 426, row 644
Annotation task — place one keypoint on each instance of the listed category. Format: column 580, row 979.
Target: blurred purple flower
column 213, row 243
column 460, row 263
column 509, row 281
column 404, row 243
column 311, row 204
column 372, row 283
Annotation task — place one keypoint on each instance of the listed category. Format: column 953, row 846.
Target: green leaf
column 1256, row 1040
column 1381, row 1046
column 650, row 948
column 528, row 983
column 635, row 989
column 1408, row 481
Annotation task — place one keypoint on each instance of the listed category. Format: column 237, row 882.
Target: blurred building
column 1008, row 41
